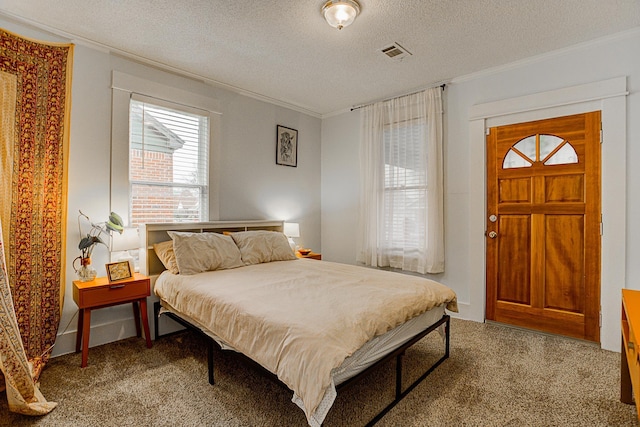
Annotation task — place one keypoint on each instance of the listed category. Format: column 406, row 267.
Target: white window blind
column 168, row 162
column 405, row 187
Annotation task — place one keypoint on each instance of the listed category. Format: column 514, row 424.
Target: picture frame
column 286, row 146
column 120, row 270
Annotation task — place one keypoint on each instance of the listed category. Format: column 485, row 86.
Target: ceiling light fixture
column 340, row 14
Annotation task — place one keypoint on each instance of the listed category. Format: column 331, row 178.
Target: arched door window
column 548, row 149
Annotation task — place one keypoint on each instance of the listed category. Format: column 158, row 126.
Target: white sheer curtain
column 401, row 221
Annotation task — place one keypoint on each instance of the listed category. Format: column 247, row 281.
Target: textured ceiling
column 284, row 50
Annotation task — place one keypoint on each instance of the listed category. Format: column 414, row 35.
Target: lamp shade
column 129, row 239
column 291, row 229
column 341, row 13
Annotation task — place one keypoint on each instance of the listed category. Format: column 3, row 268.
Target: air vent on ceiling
column 395, row 52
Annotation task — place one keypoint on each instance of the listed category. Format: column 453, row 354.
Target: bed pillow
column 198, row 252
column 166, row 255
column 263, row 246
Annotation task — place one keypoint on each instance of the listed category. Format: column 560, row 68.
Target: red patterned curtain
column 35, row 85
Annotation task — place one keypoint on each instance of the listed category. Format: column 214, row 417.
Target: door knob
column 493, row 234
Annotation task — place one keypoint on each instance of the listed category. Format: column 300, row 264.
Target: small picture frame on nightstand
column 118, row 271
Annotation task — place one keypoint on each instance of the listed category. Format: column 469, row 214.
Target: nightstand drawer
column 113, row 293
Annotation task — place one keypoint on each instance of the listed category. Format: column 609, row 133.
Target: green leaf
column 116, row 219
column 114, row 227
column 85, row 242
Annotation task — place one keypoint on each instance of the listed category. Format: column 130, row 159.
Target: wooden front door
column 543, row 225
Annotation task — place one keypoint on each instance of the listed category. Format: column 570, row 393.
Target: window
column 548, row 149
column 405, row 187
column 168, row 168
column 164, row 155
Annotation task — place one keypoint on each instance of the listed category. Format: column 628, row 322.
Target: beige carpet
column 496, row 376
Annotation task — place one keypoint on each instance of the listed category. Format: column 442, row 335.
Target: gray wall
column 322, row 192
column 601, row 60
column 251, row 185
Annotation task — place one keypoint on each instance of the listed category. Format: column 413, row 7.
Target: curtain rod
column 442, row 86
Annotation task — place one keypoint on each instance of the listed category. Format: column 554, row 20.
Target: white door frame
column 608, row 96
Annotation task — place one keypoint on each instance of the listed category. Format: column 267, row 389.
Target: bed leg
column 401, row 394
column 399, row 376
column 156, row 314
column 447, row 330
column 210, row 360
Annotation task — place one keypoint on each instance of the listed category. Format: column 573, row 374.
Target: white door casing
column 608, row 96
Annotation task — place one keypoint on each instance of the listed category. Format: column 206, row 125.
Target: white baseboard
column 115, row 330
column 100, row 334
column 466, row 313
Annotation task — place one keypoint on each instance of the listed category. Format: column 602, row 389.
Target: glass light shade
column 129, row 239
column 340, row 14
column 291, row 229
column 121, row 244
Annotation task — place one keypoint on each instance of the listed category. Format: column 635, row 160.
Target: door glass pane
column 565, row 155
column 514, row 160
column 548, row 143
column 527, row 146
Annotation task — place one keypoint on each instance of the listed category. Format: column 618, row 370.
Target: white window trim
column 608, row 96
column 123, row 87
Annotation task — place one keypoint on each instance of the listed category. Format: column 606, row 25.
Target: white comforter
column 300, row 319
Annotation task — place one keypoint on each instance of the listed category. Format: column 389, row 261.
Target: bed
column 315, row 326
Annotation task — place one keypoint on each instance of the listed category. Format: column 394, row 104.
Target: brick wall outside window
column 158, row 202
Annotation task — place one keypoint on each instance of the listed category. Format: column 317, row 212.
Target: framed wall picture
column 119, row 271
column 287, row 146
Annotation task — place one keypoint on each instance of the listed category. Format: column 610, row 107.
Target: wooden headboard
column 156, row 233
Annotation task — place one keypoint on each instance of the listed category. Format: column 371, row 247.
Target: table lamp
column 292, row 229
column 121, row 244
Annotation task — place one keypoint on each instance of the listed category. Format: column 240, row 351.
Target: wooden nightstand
column 310, row 255
column 630, row 354
column 99, row 293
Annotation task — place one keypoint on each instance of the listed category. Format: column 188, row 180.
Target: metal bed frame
column 398, row 354
column 151, row 265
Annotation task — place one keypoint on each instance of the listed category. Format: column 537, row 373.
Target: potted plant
column 90, row 239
